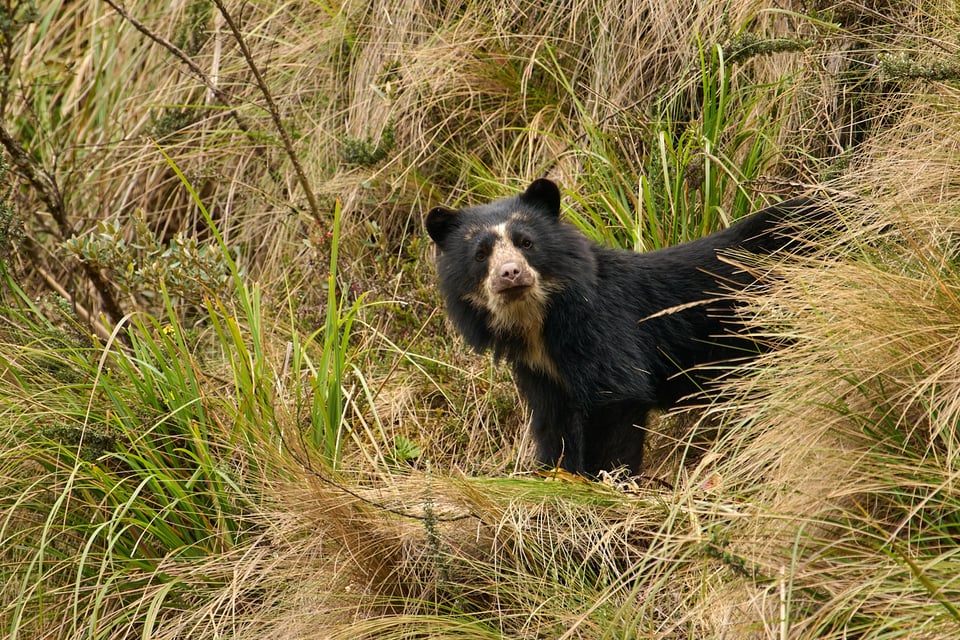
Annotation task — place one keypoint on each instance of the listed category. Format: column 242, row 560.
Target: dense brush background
column 230, row 406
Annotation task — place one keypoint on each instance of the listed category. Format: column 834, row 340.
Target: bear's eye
column 526, row 243
column 480, row 255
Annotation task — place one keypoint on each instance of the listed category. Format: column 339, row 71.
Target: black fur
column 592, row 361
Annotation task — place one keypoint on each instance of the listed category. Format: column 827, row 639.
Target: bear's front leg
column 559, row 440
column 556, row 424
column 614, row 436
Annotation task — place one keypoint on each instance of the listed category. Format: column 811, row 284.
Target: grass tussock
column 232, row 408
column 847, row 446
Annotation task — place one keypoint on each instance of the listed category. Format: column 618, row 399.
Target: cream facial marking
column 471, row 232
column 515, row 298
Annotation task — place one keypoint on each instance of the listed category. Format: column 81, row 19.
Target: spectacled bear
column 580, row 323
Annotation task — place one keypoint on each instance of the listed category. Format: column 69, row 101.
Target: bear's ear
column 440, row 222
column 544, row 194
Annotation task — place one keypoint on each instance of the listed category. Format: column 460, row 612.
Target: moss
column 904, row 67
column 745, row 46
column 365, row 152
column 11, row 230
column 92, row 440
column 194, row 29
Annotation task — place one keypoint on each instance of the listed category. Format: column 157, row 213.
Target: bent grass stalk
column 177, row 479
column 328, row 426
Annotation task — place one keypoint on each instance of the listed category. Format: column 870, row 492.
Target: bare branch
column 222, row 96
column 49, row 193
column 273, row 110
column 42, row 182
column 225, row 98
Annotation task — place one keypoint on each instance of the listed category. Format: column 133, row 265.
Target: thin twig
column 98, row 328
column 222, row 96
column 305, row 464
column 273, row 110
column 49, row 193
column 225, row 98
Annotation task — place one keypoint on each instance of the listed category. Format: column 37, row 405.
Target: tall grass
column 127, row 463
column 114, row 463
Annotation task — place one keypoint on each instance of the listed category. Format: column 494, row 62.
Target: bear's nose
column 510, row 270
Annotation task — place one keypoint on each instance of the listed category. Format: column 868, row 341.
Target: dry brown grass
column 847, row 447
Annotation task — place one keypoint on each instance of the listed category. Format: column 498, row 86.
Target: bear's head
column 500, row 264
